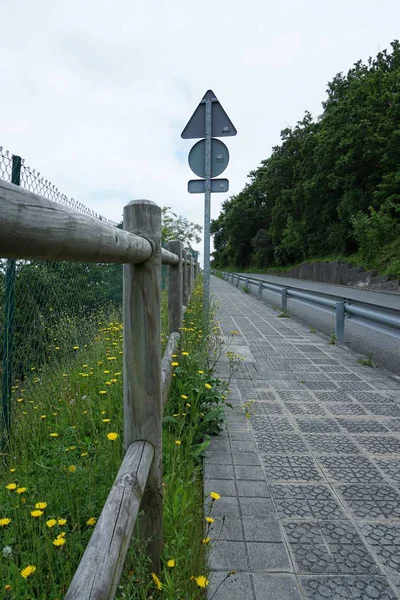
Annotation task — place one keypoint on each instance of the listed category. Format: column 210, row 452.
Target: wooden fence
column 32, row 227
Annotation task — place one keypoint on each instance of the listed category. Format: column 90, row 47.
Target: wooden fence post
column 191, row 273
column 175, row 289
column 142, row 365
column 185, row 278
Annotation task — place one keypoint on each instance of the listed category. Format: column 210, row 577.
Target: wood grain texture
column 37, row 228
column 185, row 278
column 175, row 292
column 142, row 364
column 166, row 367
column 100, row 568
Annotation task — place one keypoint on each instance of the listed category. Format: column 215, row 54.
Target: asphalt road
column 385, row 349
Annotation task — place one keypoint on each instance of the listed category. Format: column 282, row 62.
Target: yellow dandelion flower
column 36, row 513
column 178, row 442
column 206, row 540
column 157, row 581
column 21, row 490
column 53, row 434
column 61, row 535
column 208, row 386
column 201, row 581
column 112, row 436
column 210, row 520
column 4, row 522
column 29, row 570
column 84, row 454
column 103, row 392
column 174, row 364
column 106, row 420
column 185, row 353
column 91, row 521
column 41, row 505
column 171, row 563
column 215, row 495
column 20, row 399
column 11, row 486
column 51, row 522
column 72, row 468
column 184, row 397
column 7, row 587
column 58, row 541
column 13, row 470
column 174, row 355
column 43, row 416
column 75, row 348
column 201, row 372
column 62, row 522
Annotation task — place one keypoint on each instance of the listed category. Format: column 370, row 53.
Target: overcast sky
column 95, row 95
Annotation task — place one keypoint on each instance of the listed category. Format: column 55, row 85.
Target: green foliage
column 175, row 227
column 332, row 187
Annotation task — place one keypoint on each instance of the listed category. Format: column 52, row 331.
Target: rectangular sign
column 198, row 186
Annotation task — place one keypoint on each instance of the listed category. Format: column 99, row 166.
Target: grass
column 66, row 448
column 367, row 362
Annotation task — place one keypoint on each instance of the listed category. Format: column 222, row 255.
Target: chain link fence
column 47, row 309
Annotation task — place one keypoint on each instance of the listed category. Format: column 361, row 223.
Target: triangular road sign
column 222, row 126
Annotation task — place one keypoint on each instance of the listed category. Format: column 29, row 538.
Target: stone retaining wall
column 341, row 274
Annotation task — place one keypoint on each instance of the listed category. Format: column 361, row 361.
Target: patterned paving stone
column 347, row 588
column 271, row 424
column 283, row 443
column 374, row 444
column 361, row 425
column 321, row 445
column 390, row 467
column 314, row 425
column 349, row 469
column 328, row 436
column 291, row 468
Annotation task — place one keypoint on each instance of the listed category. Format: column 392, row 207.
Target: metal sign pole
column 207, row 206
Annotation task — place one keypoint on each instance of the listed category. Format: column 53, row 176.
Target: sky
column 95, row 95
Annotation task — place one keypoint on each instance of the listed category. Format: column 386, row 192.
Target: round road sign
column 219, row 158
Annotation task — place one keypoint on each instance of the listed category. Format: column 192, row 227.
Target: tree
column 176, row 227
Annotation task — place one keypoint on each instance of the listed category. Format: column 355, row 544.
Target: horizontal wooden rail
column 169, row 258
column 166, row 367
column 33, row 227
column 100, row 569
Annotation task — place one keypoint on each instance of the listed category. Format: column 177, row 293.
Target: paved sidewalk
column 310, row 483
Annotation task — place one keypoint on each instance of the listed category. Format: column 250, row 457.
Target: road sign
column 198, row 186
column 222, row 126
column 208, row 158
column 219, row 158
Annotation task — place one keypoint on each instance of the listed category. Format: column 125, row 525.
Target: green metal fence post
column 8, row 335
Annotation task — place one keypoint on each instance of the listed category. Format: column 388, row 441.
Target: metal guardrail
column 379, row 318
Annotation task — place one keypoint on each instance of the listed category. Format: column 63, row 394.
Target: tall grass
column 65, row 450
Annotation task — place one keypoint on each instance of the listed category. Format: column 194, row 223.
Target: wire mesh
column 48, row 310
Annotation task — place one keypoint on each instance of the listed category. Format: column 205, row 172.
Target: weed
column 332, row 339
column 313, row 330
column 367, row 362
column 245, row 289
column 284, row 315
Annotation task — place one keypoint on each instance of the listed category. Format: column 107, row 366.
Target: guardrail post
column 238, row 281
column 339, row 322
column 260, row 290
column 175, row 291
column 247, row 283
column 284, row 299
column 142, row 365
column 184, row 278
column 191, row 267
